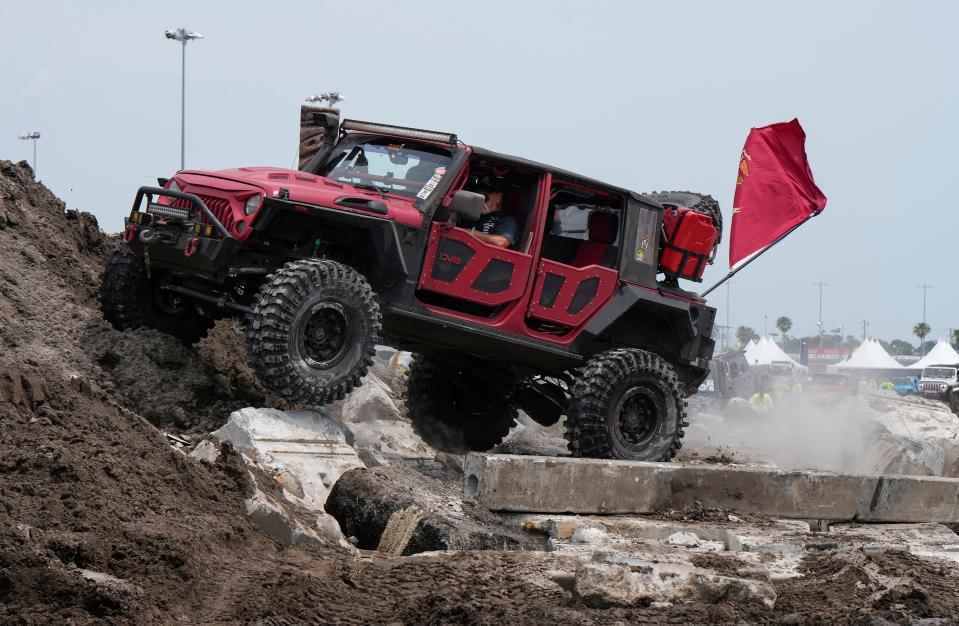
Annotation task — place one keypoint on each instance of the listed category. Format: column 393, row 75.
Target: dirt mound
column 99, row 516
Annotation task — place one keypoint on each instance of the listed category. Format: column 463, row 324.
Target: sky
column 646, row 95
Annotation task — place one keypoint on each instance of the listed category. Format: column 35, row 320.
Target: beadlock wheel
column 313, row 331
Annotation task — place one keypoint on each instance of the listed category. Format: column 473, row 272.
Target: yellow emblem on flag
column 743, row 167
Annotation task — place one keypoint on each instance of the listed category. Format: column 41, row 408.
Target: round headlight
column 173, row 186
column 252, row 204
column 942, row 387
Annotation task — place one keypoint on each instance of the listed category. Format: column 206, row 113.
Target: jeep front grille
column 220, row 207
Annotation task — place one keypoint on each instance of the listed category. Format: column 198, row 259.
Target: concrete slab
column 594, row 486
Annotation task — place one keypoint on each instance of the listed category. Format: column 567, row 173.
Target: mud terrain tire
column 698, row 202
column 130, row 299
column 313, row 331
column 448, row 419
column 628, row 404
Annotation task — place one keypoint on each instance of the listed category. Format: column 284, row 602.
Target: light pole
column 331, row 97
column 864, row 324
column 820, row 284
column 183, row 36
column 32, row 136
column 924, row 288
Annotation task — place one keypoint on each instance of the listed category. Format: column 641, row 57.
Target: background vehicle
column 905, row 386
column 828, row 387
column 938, row 381
column 362, row 247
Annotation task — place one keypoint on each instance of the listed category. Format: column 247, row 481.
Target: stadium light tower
column 183, row 36
column 32, row 136
column 331, row 97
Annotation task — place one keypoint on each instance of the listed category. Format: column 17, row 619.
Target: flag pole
column 758, row 254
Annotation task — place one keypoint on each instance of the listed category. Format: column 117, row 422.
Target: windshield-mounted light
column 399, row 131
column 252, row 204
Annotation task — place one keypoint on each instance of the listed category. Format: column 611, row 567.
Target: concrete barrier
column 591, row 486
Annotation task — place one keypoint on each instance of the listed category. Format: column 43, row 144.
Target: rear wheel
column 313, row 330
column 628, row 404
column 698, row 202
column 131, row 299
column 456, row 410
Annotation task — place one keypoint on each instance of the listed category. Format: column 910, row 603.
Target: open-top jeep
column 582, row 316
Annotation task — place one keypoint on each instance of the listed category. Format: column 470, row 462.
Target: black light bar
column 399, row 131
column 168, row 211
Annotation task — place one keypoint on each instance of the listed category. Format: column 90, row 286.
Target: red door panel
column 570, row 295
column 460, row 265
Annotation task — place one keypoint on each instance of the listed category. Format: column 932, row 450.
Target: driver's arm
column 493, row 240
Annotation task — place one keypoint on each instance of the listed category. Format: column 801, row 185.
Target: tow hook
column 191, row 245
column 147, row 235
column 130, row 233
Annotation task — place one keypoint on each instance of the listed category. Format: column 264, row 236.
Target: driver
column 494, row 227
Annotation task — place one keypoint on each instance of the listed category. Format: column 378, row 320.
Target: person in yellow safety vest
column 796, row 388
column 780, row 389
column 761, row 400
column 886, row 384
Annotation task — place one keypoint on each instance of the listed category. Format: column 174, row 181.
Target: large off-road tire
column 454, row 411
column 131, row 299
column 698, row 202
column 313, row 330
column 628, row 404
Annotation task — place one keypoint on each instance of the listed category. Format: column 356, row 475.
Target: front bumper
column 190, row 241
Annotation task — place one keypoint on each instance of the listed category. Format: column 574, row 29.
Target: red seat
column 598, row 249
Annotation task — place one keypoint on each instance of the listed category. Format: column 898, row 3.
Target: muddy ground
column 101, row 520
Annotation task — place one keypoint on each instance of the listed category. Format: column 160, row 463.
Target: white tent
column 869, row 355
column 940, row 354
column 749, row 345
column 767, row 351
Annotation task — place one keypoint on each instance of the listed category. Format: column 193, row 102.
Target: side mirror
column 468, row 205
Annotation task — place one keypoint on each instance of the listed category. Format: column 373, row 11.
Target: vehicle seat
column 598, row 249
column 515, row 203
column 421, row 172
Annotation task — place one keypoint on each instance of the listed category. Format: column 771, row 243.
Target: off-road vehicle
column 369, row 243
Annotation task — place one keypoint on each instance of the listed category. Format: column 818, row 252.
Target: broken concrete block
column 274, row 522
column 589, row 534
column 307, row 447
column 593, row 486
column 206, row 451
column 364, row 503
column 894, row 454
column 685, row 540
column 713, row 589
column 370, row 401
column 382, row 442
column 600, row 585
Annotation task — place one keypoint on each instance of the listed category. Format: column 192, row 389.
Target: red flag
column 775, row 191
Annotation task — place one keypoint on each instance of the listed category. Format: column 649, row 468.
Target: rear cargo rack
column 169, row 211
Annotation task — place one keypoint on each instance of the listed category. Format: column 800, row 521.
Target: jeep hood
column 302, row 187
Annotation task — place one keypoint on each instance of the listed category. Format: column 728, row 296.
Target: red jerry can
column 690, row 241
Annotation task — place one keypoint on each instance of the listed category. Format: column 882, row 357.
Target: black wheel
column 628, row 404
column 131, row 299
column 455, row 410
column 698, row 202
column 313, row 330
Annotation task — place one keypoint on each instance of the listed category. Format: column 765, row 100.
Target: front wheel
column 628, row 404
column 313, row 331
column 132, row 298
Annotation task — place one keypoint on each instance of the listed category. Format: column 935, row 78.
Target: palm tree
column 921, row 330
column 744, row 334
column 784, row 324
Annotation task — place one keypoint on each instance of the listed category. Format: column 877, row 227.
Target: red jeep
column 582, row 316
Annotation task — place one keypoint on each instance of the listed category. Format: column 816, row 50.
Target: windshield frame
column 928, row 373
column 375, row 182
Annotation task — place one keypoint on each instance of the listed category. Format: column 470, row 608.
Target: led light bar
column 399, row 131
column 168, row 211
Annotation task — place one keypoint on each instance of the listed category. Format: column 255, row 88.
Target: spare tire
column 701, row 203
